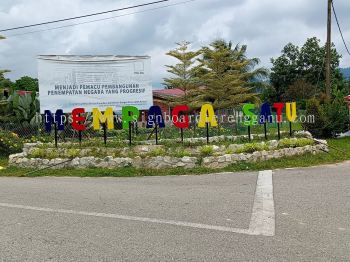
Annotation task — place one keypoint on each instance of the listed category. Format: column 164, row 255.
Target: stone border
column 162, row 162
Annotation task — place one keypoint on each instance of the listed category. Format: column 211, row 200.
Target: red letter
column 77, row 119
column 175, row 117
column 279, row 108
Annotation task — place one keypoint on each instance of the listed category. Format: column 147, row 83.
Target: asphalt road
column 222, row 217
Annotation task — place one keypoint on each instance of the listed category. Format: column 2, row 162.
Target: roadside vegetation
column 339, row 151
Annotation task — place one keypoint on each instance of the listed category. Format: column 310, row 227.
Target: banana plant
column 25, row 108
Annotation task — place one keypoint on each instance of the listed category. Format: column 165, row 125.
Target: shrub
column 158, row 151
column 313, row 108
column 331, row 118
column 252, row 147
column 37, row 153
column 181, row 152
column 290, row 142
column 73, row 153
column 337, row 116
column 10, row 143
column 51, row 153
column 206, row 151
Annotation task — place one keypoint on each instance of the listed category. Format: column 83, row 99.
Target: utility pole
column 329, row 50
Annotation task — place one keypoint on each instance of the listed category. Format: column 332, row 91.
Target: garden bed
column 222, row 153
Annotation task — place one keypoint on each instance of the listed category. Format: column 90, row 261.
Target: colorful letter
column 175, row 115
column 129, row 114
column 58, row 118
column 207, row 115
column 250, row 118
column 265, row 114
column 291, row 111
column 99, row 118
column 279, row 108
column 78, row 120
column 155, row 115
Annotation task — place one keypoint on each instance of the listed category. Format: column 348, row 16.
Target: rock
column 272, row 144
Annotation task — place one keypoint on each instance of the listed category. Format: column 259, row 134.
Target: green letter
column 129, row 114
column 249, row 117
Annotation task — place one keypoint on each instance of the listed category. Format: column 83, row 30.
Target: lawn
column 339, row 151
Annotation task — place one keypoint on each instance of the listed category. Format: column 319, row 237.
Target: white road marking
column 132, row 218
column 263, row 216
column 262, row 221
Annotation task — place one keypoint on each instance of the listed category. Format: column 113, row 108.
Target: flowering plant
column 10, row 142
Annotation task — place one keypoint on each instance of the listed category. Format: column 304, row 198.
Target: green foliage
column 27, row 83
column 293, row 142
column 5, row 82
column 25, row 108
column 313, row 108
column 73, row 153
column 181, row 152
column 331, row 118
column 252, row 147
column 10, row 143
column 299, row 91
column 228, row 75
column 185, row 70
column 223, row 77
column 38, row 153
column 39, row 138
column 158, row 151
column 206, row 151
column 307, row 63
column 337, row 118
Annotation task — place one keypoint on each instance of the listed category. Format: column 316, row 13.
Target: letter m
column 50, row 119
column 99, row 118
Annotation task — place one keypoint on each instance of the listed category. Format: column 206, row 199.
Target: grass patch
column 334, row 156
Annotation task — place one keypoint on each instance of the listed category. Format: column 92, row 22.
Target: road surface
column 281, row 215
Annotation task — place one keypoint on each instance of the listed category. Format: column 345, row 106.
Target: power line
column 341, row 33
column 98, row 20
column 83, row 16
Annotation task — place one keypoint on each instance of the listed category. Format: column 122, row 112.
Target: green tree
column 185, row 71
column 228, row 76
column 27, row 83
column 307, row 63
column 5, row 82
column 299, row 91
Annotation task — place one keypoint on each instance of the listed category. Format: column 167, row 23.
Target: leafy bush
column 330, row 118
column 38, row 153
column 337, row 116
column 206, row 151
column 10, row 143
column 73, row 153
column 25, row 108
column 181, row 152
column 313, row 108
column 252, row 147
column 158, row 151
column 292, row 142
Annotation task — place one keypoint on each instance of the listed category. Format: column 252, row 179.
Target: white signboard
column 68, row 82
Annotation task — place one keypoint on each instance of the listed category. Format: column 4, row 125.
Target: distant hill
column 346, row 72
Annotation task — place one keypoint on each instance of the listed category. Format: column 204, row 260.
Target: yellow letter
column 207, row 116
column 106, row 117
column 292, row 116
